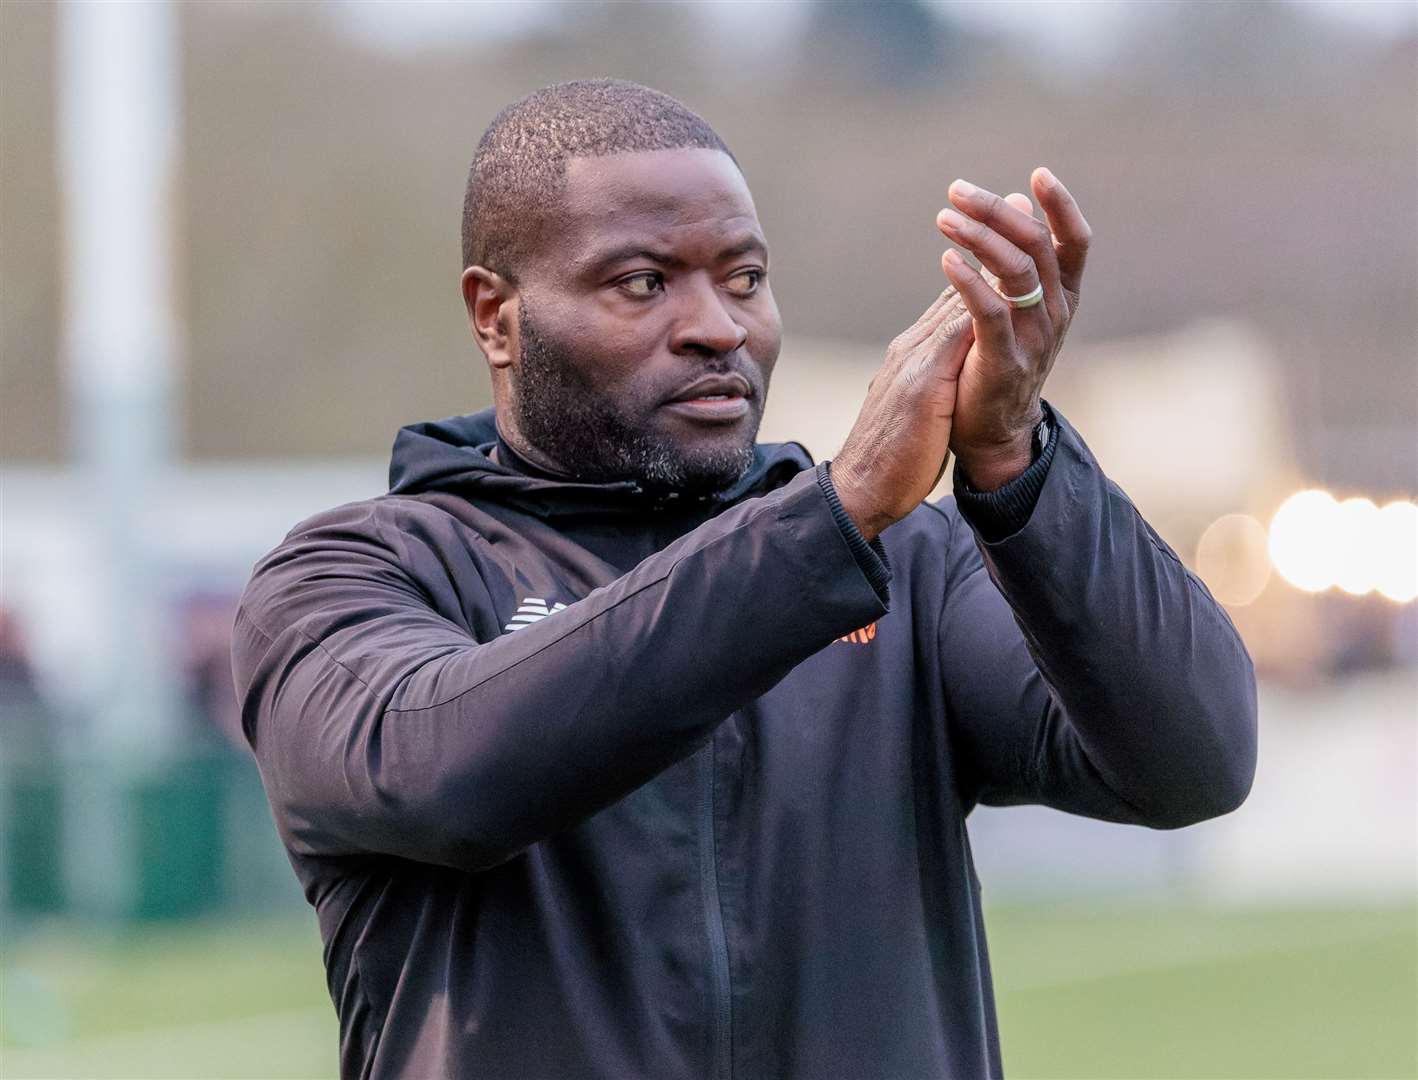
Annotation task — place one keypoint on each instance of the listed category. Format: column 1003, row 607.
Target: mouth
column 713, row 399
column 712, row 409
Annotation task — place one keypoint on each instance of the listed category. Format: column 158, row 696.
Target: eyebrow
column 627, row 252
column 748, row 245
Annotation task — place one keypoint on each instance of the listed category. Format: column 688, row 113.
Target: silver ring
column 1029, row 299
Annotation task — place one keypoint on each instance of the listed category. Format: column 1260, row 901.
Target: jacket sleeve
column 382, row 727
column 1087, row 669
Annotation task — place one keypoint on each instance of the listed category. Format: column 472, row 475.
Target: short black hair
column 519, row 168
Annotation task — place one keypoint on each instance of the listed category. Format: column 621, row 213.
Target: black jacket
column 707, row 820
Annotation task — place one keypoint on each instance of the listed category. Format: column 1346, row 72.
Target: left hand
column 997, row 405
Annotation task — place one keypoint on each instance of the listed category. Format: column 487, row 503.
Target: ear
column 492, row 301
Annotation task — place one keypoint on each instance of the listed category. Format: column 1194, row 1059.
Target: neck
column 509, row 433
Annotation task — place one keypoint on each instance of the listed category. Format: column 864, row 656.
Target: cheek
column 765, row 336
column 622, row 343
column 605, row 348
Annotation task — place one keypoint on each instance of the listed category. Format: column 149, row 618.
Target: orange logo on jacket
column 860, row 637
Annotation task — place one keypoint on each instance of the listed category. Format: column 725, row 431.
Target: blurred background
column 229, row 274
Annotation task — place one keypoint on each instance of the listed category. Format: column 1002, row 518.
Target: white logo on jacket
column 531, row 611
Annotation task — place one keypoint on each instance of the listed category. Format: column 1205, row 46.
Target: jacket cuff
column 995, row 515
column 870, row 554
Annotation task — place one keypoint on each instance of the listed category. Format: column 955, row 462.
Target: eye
column 745, row 282
column 643, row 284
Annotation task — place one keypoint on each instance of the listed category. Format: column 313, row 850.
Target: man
column 612, row 744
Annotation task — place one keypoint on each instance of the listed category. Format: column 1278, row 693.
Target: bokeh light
column 1353, row 550
column 1302, row 535
column 1231, row 558
column 1396, row 551
column 1317, row 543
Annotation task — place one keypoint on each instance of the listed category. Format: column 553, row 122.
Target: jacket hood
column 451, row 455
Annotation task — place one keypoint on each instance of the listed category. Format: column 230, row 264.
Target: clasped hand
column 966, row 377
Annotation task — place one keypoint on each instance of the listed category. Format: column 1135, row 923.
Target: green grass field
column 1131, row 993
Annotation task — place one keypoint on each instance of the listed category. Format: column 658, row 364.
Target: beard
column 598, row 437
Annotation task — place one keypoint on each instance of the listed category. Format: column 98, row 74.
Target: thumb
column 951, row 343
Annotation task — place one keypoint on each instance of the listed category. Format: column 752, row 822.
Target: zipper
column 721, row 1064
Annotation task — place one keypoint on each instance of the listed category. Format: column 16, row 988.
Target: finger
column 1066, row 221
column 1054, row 301
column 1021, row 228
column 1014, row 269
column 993, row 328
column 948, row 298
column 907, row 343
column 956, row 333
column 952, row 306
column 943, row 359
column 923, row 327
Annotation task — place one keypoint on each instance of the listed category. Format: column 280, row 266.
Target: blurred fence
column 191, row 837
column 117, row 832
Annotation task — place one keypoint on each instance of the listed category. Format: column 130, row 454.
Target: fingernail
column 963, row 188
column 951, row 220
column 953, row 257
column 1046, row 178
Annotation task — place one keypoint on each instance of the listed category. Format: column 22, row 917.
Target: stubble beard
column 591, row 436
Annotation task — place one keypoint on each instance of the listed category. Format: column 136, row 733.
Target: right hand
column 897, row 450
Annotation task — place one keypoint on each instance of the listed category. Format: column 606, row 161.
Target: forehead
column 665, row 196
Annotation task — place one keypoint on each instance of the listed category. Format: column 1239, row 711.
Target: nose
column 706, row 324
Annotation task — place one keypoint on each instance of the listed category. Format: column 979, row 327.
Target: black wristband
column 870, row 554
column 995, row 515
